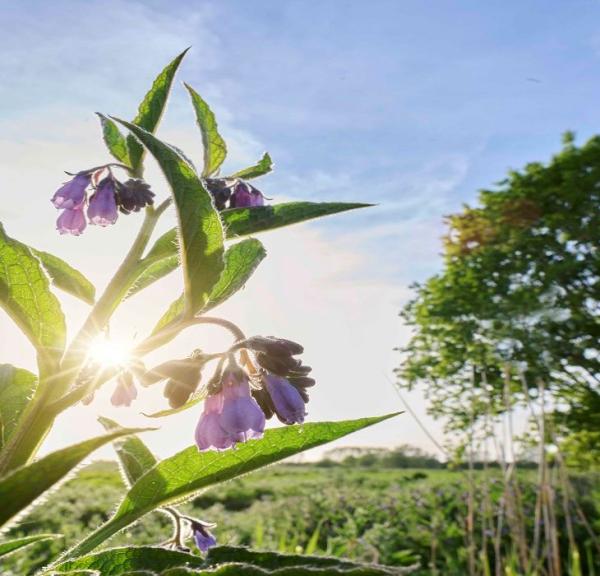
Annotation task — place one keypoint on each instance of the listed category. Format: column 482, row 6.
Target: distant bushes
column 404, row 456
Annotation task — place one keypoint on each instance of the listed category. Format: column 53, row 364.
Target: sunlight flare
column 108, row 351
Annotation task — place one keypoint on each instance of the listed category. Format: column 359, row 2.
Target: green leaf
column 275, row 561
column 116, row 561
column 221, row 561
column 189, row 471
column 25, row 295
column 262, row 167
column 241, row 260
column 153, row 272
column 23, row 486
column 114, row 140
column 215, row 149
column 11, row 545
column 135, row 457
column 244, row 221
column 163, row 257
column 200, row 228
column 152, row 107
column 16, row 389
column 66, row 277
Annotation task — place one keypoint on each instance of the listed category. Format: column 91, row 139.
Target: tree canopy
column 516, row 306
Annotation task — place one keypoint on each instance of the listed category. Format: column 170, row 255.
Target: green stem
column 116, row 290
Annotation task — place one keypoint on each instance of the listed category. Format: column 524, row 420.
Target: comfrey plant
column 235, row 390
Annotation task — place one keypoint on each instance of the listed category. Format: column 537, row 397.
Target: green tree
column 516, row 306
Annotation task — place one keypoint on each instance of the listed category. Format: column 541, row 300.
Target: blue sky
column 408, row 104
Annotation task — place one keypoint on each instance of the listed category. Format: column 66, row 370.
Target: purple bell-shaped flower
column 72, row 193
column 71, row 221
column 102, row 209
column 287, row 401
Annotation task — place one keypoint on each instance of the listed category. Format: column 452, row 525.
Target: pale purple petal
column 72, row 193
column 71, row 221
column 241, row 417
column 102, row 209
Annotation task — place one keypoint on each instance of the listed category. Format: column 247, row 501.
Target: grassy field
column 391, row 516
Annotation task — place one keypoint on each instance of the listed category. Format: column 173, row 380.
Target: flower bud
column 133, row 195
column 220, row 190
column 280, row 365
column 273, row 346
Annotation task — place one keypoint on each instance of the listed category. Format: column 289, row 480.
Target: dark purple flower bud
column 72, row 193
column 209, row 433
column 125, row 392
column 281, row 365
column 202, row 537
column 287, row 401
column 273, row 346
column 301, row 381
column 102, row 209
column 245, row 195
column 220, row 191
column 301, row 371
column 241, row 417
column 133, row 195
column 71, row 221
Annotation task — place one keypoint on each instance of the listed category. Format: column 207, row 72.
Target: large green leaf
column 114, row 140
column 11, row 545
column 163, row 257
column 244, row 221
column 241, row 260
column 16, row 388
column 134, row 456
column 200, row 228
column 120, row 560
column 66, row 277
column 189, row 471
column 215, row 149
column 23, row 486
column 25, row 295
column 262, row 167
column 152, row 107
column 221, row 561
column 273, row 561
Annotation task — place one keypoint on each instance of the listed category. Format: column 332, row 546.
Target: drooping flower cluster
column 234, row 193
column 230, row 415
column 239, row 403
column 107, row 196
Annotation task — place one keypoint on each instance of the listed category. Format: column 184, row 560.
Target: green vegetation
column 395, row 516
